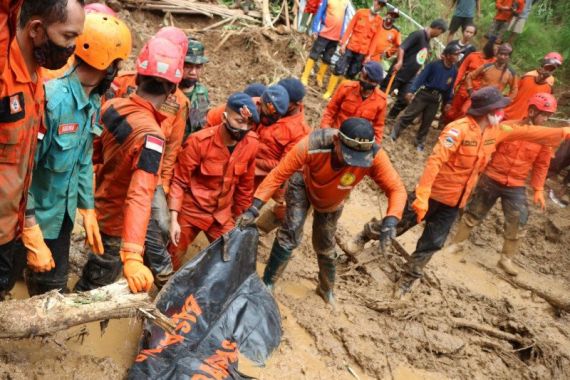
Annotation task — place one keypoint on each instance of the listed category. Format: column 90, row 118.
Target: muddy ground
column 368, row 336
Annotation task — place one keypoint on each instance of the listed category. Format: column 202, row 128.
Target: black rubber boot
column 276, row 265
column 327, row 273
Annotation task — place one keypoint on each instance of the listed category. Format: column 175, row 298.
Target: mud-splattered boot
column 327, row 273
column 307, row 71
column 510, row 248
column 278, row 260
column 403, row 286
column 321, row 74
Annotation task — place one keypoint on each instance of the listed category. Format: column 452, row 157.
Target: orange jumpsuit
column 9, row 10
column 460, row 104
column 21, row 109
column 347, row 102
column 385, row 42
column 211, row 186
column 175, row 108
column 518, row 109
column 360, row 31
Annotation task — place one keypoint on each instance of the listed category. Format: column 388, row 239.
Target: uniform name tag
column 67, row 128
column 154, row 143
column 15, row 105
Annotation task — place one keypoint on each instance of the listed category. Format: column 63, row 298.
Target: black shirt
column 464, row 50
column 416, row 48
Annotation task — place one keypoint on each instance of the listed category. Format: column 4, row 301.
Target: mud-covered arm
column 388, row 179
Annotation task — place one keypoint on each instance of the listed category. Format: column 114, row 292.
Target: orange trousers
column 459, row 105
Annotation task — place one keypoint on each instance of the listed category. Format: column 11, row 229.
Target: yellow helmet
column 105, row 39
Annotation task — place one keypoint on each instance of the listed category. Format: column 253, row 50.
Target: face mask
column 237, row 134
column 188, row 82
column 495, row 118
column 268, row 119
column 107, row 80
column 367, row 86
column 52, row 56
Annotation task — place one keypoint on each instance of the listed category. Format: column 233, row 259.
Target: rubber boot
column 462, row 234
column 278, row 260
column 327, row 272
column 321, row 75
column 356, row 245
column 307, row 72
column 510, row 248
column 333, row 81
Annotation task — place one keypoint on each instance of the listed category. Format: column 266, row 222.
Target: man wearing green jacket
column 195, row 91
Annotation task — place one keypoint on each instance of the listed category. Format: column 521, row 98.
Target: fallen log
column 192, row 7
column 491, row 331
column 52, row 312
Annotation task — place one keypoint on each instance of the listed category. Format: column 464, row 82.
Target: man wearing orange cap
column 132, row 147
column 45, row 37
column 387, row 39
column 533, row 82
column 505, row 177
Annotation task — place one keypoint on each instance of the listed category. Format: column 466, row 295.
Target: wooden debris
column 491, row 331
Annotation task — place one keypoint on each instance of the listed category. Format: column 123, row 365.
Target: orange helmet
column 105, row 39
column 162, row 59
column 544, row 102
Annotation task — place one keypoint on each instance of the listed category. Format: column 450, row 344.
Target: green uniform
column 199, row 104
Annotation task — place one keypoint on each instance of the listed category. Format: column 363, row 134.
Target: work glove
column 539, row 199
column 39, row 256
column 421, row 204
column 137, row 274
column 92, row 231
column 387, row 231
column 249, row 217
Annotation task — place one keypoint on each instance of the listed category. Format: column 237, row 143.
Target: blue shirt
column 436, row 76
column 526, row 10
column 465, row 8
column 63, row 174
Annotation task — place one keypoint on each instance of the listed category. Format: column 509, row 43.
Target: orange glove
column 421, row 204
column 539, row 199
column 39, row 256
column 92, row 230
column 137, row 274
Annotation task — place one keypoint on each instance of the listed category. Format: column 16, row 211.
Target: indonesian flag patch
column 154, row 143
column 67, row 128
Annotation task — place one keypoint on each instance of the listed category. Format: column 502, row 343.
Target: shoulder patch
column 171, row 105
column 454, row 132
column 12, row 108
column 448, row 142
column 151, row 154
column 116, row 124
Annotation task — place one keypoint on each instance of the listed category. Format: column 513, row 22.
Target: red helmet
column 544, row 102
column 553, row 58
column 99, row 8
column 161, row 58
column 174, row 35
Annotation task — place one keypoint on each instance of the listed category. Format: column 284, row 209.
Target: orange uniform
column 385, row 42
column 22, row 107
column 347, row 102
column 211, row 186
column 360, row 31
column 463, row 151
column 514, row 160
column 328, row 188
column 518, row 109
column 507, row 15
column 460, row 103
column 132, row 148
column 175, row 108
column 490, row 75
column 9, row 10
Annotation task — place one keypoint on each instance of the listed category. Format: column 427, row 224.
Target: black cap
column 452, row 48
column 487, row 99
column 357, row 140
column 439, row 24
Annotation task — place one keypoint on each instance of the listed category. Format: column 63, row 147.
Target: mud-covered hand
column 539, row 199
column 39, row 255
column 421, row 203
column 250, row 215
column 92, row 230
column 387, row 231
column 137, row 274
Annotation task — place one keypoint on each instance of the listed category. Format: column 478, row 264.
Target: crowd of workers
column 149, row 163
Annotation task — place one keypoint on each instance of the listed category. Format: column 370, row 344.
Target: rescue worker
column 355, row 44
column 463, row 16
column 412, row 54
column 465, row 44
column 214, row 177
column 387, row 39
column 44, row 37
column 132, row 147
column 63, row 174
column 176, row 109
column 533, row 82
column 506, row 11
column 431, row 88
column 460, row 102
column 311, row 8
column 461, row 153
column 362, row 98
column 498, row 74
column 505, row 177
column 322, row 170
column 328, row 28
column 195, row 91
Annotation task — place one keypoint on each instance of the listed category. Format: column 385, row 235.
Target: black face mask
column 367, row 86
column 237, row 134
column 268, row 119
column 107, row 80
column 187, row 82
column 52, row 56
